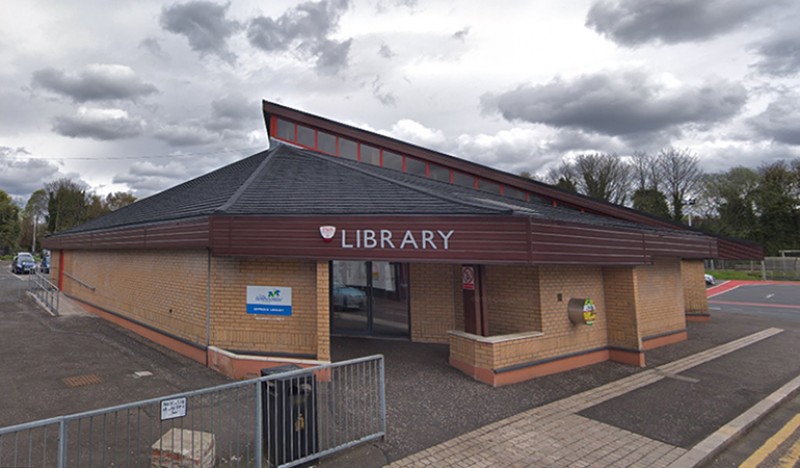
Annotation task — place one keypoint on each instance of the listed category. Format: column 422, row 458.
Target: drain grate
column 82, row 380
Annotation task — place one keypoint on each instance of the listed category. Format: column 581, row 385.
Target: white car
column 710, row 281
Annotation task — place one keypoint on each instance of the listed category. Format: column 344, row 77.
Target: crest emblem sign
column 327, row 232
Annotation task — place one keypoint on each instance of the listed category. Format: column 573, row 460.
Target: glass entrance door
column 369, row 298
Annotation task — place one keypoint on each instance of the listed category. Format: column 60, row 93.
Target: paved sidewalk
column 554, row 435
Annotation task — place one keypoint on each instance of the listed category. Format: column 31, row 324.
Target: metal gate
column 279, row 420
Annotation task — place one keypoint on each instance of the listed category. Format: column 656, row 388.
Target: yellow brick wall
column 167, row 290
column 435, row 301
column 323, row 311
column 513, row 299
column 530, row 296
column 163, row 289
column 623, row 320
column 233, row 328
column 694, row 286
column 571, row 282
column 659, row 297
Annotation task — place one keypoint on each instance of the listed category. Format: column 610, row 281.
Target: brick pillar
column 624, row 337
column 694, row 290
column 435, row 301
column 323, row 312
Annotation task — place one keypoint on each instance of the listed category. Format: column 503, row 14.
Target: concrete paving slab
column 683, row 413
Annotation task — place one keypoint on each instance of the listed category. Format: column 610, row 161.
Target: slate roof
column 286, row 180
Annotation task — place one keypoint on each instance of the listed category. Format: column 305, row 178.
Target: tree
column 95, row 207
column 117, row 200
column 563, row 177
column 651, row 201
column 776, row 202
column 730, row 196
column 66, row 206
column 603, row 176
column 32, row 219
column 680, row 172
column 9, row 224
column 644, row 171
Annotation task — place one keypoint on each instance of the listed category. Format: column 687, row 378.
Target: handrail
column 82, row 283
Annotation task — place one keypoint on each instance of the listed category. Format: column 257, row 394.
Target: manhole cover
column 82, row 380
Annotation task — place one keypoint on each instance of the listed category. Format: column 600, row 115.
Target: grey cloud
column 384, row 5
column 204, row 25
column 384, row 97
column 21, row 174
column 386, row 52
column 233, row 111
column 623, row 104
column 185, row 135
column 780, row 53
column 306, row 28
column 95, row 83
column 98, row 124
column 566, row 141
column 332, row 56
column 152, row 45
column 147, row 177
column 633, row 22
column 461, row 34
column 780, row 121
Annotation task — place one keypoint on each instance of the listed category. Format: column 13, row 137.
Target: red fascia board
column 563, row 197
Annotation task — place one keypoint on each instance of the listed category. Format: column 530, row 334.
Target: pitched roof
column 286, row 180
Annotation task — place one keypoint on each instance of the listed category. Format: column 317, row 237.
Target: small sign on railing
column 171, row 409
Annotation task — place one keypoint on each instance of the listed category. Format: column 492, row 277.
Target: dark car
column 44, row 266
column 23, row 263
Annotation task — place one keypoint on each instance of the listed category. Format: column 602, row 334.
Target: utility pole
column 689, row 205
column 33, row 244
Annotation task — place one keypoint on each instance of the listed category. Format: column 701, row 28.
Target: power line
column 121, row 158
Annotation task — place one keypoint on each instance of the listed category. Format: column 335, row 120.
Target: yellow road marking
column 792, row 456
column 772, row 443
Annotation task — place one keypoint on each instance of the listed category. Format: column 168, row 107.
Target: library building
column 335, row 231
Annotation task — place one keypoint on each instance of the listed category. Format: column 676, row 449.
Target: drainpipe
column 208, row 305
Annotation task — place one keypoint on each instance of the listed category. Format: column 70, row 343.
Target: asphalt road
column 39, row 351
column 774, row 441
column 777, row 302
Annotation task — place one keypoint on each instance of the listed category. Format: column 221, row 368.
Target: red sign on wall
column 468, row 277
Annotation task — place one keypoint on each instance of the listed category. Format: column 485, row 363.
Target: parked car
column 23, row 262
column 710, row 281
column 44, row 266
column 348, row 297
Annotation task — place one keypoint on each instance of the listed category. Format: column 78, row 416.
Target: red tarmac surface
column 733, row 284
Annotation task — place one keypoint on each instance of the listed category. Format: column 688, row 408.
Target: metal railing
column 46, row 292
column 771, row 268
column 278, row 420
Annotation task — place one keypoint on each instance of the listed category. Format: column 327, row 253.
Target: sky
column 143, row 95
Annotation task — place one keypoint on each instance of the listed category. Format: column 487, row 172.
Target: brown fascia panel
column 451, row 162
column 183, row 234
column 477, row 239
column 735, row 249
